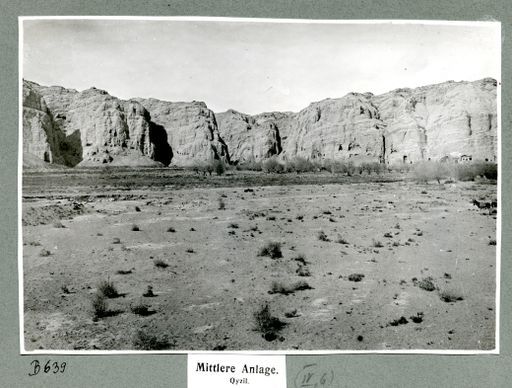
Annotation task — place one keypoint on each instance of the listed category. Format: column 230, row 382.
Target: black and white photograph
column 202, row 184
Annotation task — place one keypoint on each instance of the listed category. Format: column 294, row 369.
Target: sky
column 253, row 67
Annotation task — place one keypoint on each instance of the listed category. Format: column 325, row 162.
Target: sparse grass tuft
column 233, row 225
column 272, row 249
column 171, row 230
column 159, row 263
column 280, row 288
column 44, row 253
column 303, row 271
column 271, row 165
column 341, row 240
column 143, row 340
column 322, row 236
column 301, row 259
column 427, row 284
column 99, row 306
column 149, row 293
column 449, row 296
column 266, row 324
column 142, row 309
column 107, row 289
column 377, row 244
column 355, row 277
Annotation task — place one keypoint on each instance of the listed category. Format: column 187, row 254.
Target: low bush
column 250, row 166
column 303, row 271
column 268, row 325
column 141, row 309
column 219, row 167
column 300, row 165
column 280, row 288
column 449, row 296
column 377, row 244
column 427, row 284
column 341, row 240
column 469, row 171
column 142, row 340
column 107, row 289
column 322, row 236
column 272, row 250
column 159, row 263
column 271, row 165
column 355, row 277
column 99, row 306
column 425, row 172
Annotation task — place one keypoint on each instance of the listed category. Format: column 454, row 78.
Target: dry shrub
column 268, row 325
column 159, row 263
column 99, row 306
column 271, row 165
column 107, row 289
column 427, row 284
column 143, row 340
column 272, row 249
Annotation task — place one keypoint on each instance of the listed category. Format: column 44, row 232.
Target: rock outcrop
column 89, row 128
column 451, row 120
column 40, row 139
column 448, row 120
column 250, row 138
column 191, row 130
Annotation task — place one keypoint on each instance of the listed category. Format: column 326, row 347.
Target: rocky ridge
column 449, row 120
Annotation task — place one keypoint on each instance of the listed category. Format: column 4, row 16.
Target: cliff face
column 90, row 128
column 452, row 119
column 249, row 138
column 449, row 120
column 338, row 129
column 191, row 130
column 39, row 137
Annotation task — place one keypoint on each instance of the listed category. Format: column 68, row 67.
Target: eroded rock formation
column 448, row 120
column 191, row 130
column 250, row 138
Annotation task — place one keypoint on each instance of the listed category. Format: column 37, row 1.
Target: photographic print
column 221, row 184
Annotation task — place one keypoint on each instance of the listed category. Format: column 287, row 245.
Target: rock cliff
column 191, row 130
column 250, row 138
column 91, row 127
column 448, row 120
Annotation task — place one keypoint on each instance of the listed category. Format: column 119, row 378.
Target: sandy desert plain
column 160, row 258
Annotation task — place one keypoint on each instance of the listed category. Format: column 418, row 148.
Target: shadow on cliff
column 70, row 149
column 158, row 136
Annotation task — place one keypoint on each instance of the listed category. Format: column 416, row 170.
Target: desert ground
column 360, row 263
